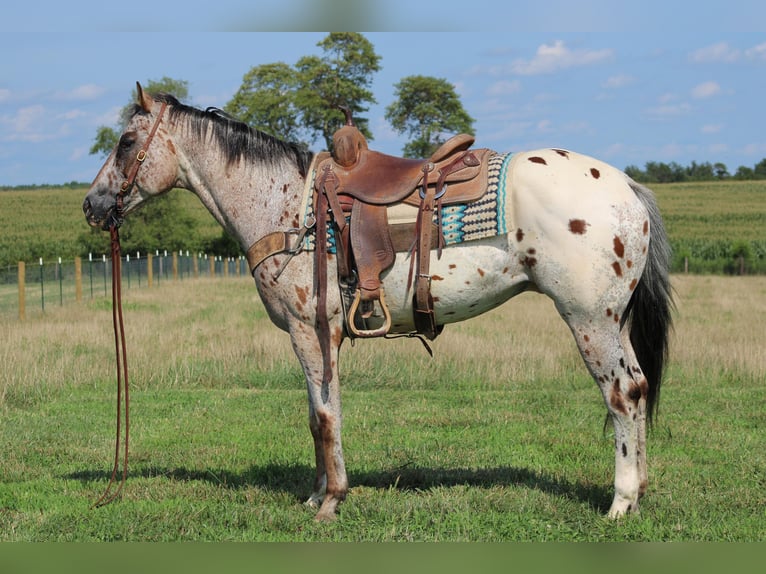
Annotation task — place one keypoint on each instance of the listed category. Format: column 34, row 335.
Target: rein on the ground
column 122, row 376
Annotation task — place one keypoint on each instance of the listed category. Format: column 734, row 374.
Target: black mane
column 235, row 138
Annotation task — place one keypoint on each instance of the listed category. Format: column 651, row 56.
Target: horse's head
column 142, row 164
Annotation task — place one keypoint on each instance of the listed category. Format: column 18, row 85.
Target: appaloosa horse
column 578, row 230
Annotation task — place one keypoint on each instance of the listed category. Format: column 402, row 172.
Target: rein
column 122, row 373
column 120, row 348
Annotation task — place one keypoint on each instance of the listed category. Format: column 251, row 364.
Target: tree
column 300, row 103
column 341, row 77
column 427, row 109
column 635, row 173
column 266, row 101
column 720, row 170
column 744, row 172
column 106, row 137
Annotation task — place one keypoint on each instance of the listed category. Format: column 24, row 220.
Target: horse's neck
column 248, row 200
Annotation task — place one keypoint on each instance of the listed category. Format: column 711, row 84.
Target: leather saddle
column 355, row 186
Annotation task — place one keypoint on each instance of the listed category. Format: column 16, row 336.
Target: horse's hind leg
column 612, row 362
column 331, row 483
column 630, row 358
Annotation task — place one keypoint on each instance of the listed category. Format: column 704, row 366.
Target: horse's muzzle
column 108, row 220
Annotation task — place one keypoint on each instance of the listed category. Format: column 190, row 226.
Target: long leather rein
column 119, row 330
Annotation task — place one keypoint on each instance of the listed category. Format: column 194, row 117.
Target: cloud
column 756, row 52
column 711, row 128
column 720, row 52
column 71, row 115
column 557, row 56
column 666, row 110
column 706, row 90
column 5, row 95
column 86, row 92
column 504, row 88
column 26, row 125
column 619, row 81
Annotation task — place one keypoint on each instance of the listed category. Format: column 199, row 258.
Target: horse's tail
column 650, row 308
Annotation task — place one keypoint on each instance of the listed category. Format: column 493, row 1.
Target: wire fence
column 29, row 287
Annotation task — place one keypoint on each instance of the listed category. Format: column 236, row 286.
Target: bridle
column 113, row 224
column 130, row 176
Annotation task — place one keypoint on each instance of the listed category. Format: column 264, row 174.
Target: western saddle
column 353, row 188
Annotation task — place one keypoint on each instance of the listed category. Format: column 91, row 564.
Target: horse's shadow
column 295, row 479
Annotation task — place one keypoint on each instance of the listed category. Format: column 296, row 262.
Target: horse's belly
column 469, row 279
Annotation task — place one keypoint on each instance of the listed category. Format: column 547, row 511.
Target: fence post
column 195, row 266
column 42, row 286
column 175, row 265
column 22, row 291
column 149, row 270
column 211, row 260
column 78, row 279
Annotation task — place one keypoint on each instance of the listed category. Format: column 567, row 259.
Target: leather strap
column 265, row 247
column 130, row 177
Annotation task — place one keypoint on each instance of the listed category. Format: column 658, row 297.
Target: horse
column 579, row 231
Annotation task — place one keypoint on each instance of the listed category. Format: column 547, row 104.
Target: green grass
column 447, row 466
column 504, row 443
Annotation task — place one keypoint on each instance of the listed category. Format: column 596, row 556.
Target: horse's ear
column 144, row 100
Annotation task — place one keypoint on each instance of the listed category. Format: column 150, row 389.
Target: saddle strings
column 122, row 374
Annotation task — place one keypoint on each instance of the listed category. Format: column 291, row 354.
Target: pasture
column 499, row 437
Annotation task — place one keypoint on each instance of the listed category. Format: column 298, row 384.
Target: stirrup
column 380, row 331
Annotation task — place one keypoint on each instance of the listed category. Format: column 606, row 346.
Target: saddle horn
column 348, row 142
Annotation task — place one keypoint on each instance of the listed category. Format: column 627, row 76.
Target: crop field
column 499, row 437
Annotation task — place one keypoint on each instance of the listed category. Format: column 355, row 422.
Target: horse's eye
column 127, row 140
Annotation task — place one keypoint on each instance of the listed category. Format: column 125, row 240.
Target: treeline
column 660, row 172
column 32, row 187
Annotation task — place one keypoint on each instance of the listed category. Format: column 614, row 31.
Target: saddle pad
column 485, row 217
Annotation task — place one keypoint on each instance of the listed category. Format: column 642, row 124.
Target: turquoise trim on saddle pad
column 484, row 217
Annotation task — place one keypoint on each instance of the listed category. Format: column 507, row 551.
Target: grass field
column 500, row 437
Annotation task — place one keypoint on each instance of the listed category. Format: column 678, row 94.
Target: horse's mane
column 235, row 138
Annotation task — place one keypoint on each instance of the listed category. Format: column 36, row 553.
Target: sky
column 628, row 84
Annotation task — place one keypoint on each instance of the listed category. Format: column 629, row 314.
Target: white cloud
column 711, row 128
column 720, row 52
column 78, row 153
column 72, row 115
column 504, row 88
column 619, row 81
column 26, row 125
column 557, row 56
column 706, row 90
column 756, row 52
column 545, row 126
column 665, row 110
column 86, row 92
column 5, row 95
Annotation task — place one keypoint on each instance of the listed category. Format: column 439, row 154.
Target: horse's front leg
column 321, row 371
